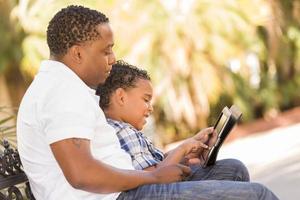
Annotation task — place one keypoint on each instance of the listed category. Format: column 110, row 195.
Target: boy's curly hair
column 122, row 75
column 73, row 25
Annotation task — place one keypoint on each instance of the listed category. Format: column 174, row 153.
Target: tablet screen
column 220, row 124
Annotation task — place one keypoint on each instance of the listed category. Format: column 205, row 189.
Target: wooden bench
column 13, row 181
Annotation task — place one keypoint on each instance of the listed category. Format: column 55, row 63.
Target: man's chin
column 102, row 81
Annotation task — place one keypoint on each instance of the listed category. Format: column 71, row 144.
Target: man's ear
column 120, row 96
column 76, row 54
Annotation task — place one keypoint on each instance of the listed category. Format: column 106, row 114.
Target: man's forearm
column 83, row 172
column 102, row 178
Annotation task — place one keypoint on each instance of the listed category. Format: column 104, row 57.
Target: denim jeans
column 227, row 179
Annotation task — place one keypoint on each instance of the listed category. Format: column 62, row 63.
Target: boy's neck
column 112, row 115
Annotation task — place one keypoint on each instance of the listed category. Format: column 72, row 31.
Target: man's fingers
column 194, row 161
column 185, row 169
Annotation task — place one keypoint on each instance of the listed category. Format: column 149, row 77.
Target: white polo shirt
column 59, row 105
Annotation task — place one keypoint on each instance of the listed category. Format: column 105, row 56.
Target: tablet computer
column 224, row 124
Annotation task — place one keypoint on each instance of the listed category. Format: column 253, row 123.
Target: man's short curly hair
column 122, row 75
column 73, row 25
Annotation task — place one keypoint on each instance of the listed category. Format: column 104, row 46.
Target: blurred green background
column 201, row 55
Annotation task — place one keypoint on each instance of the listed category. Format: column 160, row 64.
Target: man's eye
column 108, row 51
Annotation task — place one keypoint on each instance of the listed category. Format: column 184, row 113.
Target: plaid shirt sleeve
column 143, row 153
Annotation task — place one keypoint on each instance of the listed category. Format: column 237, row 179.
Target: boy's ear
column 120, row 96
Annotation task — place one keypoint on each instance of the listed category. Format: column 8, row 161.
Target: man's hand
column 171, row 173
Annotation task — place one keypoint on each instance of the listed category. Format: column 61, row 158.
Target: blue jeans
column 227, row 179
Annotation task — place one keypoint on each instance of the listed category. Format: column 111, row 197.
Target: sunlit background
column 202, row 55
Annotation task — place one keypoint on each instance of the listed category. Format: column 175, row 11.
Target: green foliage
column 7, row 125
column 11, row 36
column 202, row 55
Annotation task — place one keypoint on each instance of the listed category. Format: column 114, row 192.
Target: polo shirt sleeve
column 68, row 113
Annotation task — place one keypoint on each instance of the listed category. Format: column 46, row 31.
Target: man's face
column 97, row 57
column 137, row 104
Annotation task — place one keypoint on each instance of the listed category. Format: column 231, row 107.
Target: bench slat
column 8, row 181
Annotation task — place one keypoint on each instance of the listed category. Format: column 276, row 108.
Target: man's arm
column 84, row 172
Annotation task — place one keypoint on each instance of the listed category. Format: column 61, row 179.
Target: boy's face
column 137, row 104
column 97, row 57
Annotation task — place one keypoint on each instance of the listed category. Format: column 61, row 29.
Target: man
column 68, row 150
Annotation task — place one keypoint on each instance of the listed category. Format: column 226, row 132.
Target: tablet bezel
column 227, row 114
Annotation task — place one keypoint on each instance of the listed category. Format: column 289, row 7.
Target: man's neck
column 67, row 61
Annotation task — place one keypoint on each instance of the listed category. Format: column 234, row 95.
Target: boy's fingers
column 203, row 145
column 204, row 132
column 208, row 130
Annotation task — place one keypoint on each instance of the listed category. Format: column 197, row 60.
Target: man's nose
column 112, row 59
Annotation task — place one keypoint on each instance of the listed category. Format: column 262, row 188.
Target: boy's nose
column 150, row 108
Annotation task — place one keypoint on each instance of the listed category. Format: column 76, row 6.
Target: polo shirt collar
column 52, row 65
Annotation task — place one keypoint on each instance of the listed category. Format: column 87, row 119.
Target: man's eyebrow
column 108, row 46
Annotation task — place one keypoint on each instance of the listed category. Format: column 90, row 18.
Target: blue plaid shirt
column 142, row 151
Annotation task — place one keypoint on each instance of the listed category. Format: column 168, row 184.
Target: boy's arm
column 84, row 172
column 189, row 149
column 138, row 147
column 175, row 156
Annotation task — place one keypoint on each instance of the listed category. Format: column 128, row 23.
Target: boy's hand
column 211, row 142
column 170, row 173
column 188, row 152
column 191, row 145
column 202, row 137
column 204, row 134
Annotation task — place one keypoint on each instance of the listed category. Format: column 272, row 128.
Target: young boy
column 125, row 98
